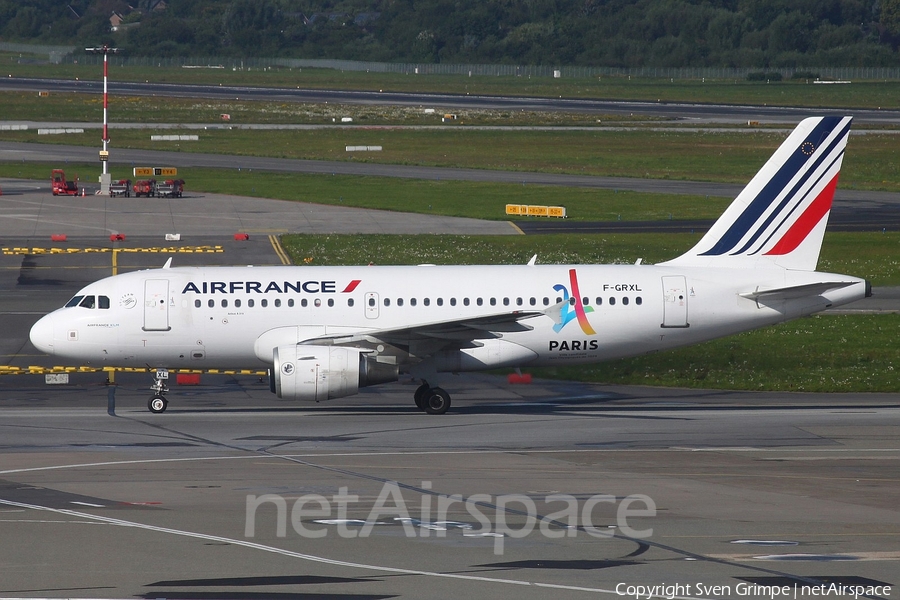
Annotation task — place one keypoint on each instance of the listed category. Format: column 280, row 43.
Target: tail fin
column 780, row 217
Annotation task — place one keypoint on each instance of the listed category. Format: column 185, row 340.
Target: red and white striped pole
column 104, row 152
column 105, row 106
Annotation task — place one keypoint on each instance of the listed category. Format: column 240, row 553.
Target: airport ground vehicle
column 60, row 186
column 121, row 187
column 170, row 188
column 144, row 187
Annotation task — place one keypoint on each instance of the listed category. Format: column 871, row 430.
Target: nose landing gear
column 158, row 403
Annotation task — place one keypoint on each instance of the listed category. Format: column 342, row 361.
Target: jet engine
column 324, row 372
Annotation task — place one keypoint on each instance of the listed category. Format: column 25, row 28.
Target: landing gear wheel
column 436, row 401
column 157, row 404
column 419, row 395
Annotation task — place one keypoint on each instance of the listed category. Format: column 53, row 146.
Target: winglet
column 168, row 264
column 780, row 216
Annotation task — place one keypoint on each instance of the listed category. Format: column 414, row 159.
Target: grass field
column 871, row 161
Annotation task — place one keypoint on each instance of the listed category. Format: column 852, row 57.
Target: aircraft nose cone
column 42, row 334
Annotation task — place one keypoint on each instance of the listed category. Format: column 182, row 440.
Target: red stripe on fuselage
column 351, row 286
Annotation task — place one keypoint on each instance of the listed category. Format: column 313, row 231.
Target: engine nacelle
column 324, row 372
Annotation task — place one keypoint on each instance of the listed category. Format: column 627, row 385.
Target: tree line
column 615, row 33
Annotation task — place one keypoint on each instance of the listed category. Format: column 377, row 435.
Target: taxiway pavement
column 234, row 494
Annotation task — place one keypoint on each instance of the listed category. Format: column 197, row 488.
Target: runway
column 682, row 111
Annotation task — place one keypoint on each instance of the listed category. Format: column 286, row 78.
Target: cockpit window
column 103, row 302
column 74, row 301
column 88, row 302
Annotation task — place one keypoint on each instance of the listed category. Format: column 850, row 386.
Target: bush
column 764, row 76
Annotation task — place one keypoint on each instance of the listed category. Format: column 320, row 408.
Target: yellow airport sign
column 532, row 210
column 155, row 171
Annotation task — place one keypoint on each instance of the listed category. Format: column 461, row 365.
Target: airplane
column 327, row 332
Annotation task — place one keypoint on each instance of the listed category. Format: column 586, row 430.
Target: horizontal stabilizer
column 797, row 291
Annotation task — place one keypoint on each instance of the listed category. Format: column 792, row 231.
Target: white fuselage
column 234, row 317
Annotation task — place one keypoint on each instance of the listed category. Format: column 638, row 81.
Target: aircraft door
column 371, row 301
column 156, row 305
column 675, row 301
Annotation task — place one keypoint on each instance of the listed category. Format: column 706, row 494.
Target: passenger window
column 264, row 303
column 427, row 301
column 290, row 303
column 465, row 301
column 74, row 301
column 638, row 300
column 237, row 303
column 493, row 302
column 585, row 301
column 506, row 302
column 399, row 301
column 224, row 303
column 304, row 303
column 350, row 302
column 518, row 302
column 251, row 302
column 546, row 301
column 331, row 302
column 612, row 301
column 371, row 301
column 599, row 301
column 103, row 302
column 387, row 301
column 412, row 301
column 440, row 301
column 532, row 301
column 88, row 302
column 452, row 301
column 211, row 303
column 277, row 302
column 625, row 300
column 479, row 302
column 197, row 303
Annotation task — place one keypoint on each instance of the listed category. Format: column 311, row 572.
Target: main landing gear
column 158, row 403
column 432, row 400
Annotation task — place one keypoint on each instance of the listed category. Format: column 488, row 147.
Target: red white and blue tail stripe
column 780, row 217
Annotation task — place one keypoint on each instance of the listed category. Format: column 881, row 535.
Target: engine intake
column 318, row 373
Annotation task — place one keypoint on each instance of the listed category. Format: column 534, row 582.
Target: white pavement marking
column 311, row 557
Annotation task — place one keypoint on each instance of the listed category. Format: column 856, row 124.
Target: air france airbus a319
column 326, row 332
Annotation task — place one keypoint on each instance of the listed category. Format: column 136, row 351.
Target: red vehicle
column 144, row 187
column 62, row 187
column 171, row 188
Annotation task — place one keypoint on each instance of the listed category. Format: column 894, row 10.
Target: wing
column 414, row 343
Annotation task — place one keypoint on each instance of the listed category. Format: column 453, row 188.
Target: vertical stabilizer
column 779, row 218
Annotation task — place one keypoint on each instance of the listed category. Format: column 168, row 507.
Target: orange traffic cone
column 82, row 192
